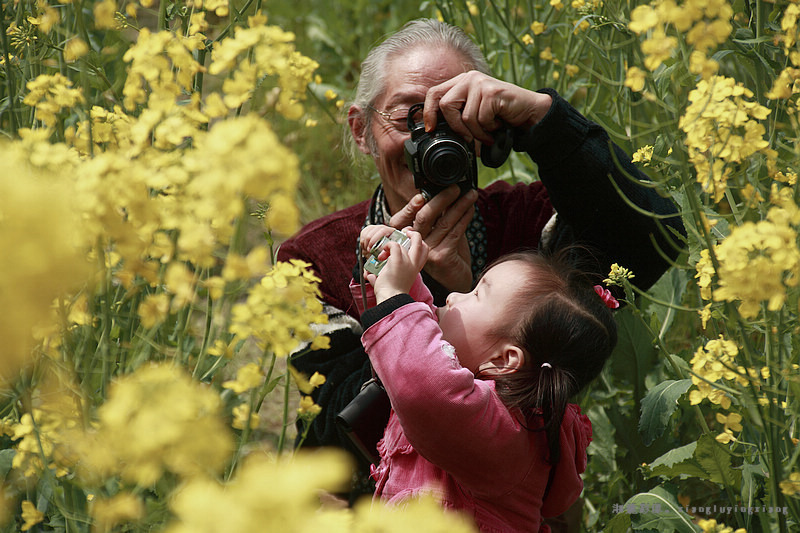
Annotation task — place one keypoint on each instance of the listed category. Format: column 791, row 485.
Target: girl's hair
column 567, row 333
column 427, row 33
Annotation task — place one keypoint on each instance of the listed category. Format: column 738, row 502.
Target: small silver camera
column 372, row 265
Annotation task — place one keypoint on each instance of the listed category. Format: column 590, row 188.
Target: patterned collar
column 476, row 231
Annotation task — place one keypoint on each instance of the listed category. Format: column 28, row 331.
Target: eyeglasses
column 397, row 117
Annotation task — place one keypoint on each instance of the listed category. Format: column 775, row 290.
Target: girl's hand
column 442, row 222
column 402, row 266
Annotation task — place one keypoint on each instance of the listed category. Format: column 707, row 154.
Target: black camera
column 441, row 157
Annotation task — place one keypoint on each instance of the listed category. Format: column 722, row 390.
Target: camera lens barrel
column 445, row 161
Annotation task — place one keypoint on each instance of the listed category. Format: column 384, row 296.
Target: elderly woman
column 575, row 201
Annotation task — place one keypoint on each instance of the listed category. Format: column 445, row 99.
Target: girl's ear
column 358, row 127
column 508, row 360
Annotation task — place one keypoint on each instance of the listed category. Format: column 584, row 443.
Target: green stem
column 286, row 387
column 162, row 15
column 9, row 70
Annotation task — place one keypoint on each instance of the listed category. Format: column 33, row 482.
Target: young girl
column 480, row 387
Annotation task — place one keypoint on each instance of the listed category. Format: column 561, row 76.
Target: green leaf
column 677, row 462
column 658, row 510
column 634, row 356
column 716, row 460
column 621, row 523
column 6, row 458
column 657, row 407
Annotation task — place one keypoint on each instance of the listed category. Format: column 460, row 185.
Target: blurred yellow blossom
column 154, row 309
column 49, row 94
column 538, row 27
column 75, row 49
column 30, row 515
column 155, row 420
column 267, row 494
column 700, row 64
column 308, row 407
column 643, row 18
column 248, row 377
column 104, row 15
column 122, row 508
column 711, row 526
column 242, row 417
column 635, row 78
column 791, row 485
column 41, row 259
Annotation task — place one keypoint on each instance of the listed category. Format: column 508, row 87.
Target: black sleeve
column 346, row 368
column 584, row 173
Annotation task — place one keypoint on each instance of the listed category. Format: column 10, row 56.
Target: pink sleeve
column 419, row 292
column 451, row 419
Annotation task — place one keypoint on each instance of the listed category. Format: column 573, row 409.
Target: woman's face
column 408, row 79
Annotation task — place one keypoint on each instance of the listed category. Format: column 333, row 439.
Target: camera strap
column 362, row 282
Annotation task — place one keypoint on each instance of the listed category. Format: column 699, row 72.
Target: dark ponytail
column 567, row 333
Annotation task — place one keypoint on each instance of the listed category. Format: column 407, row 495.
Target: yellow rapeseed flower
column 122, row 508
column 635, row 78
column 308, row 408
column 30, row 515
column 248, row 377
column 618, row 275
column 105, row 13
column 643, row 155
column 757, row 262
column 280, row 310
column 159, row 420
column 643, row 19
column 153, row 310
column 267, row 494
column 791, row 486
column 242, row 417
column 711, row 526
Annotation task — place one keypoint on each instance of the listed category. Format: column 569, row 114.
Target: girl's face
column 476, row 323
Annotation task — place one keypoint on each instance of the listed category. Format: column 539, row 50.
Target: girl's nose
column 453, row 298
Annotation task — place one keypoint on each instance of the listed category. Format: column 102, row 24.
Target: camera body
column 441, row 157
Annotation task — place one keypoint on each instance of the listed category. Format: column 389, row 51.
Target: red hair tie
column 608, row 299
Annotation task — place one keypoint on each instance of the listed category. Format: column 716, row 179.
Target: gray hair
column 430, row 33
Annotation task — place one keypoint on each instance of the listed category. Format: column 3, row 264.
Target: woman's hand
column 402, row 266
column 442, row 223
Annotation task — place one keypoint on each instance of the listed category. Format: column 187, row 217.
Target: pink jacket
column 451, row 436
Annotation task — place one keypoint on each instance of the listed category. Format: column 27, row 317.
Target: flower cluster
column 705, row 24
column 280, row 310
column 722, row 129
column 758, row 261
column 710, row 364
column 182, row 419
column 260, row 51
column 42, row 239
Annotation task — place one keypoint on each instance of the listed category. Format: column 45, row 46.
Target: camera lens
column 445, row 162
